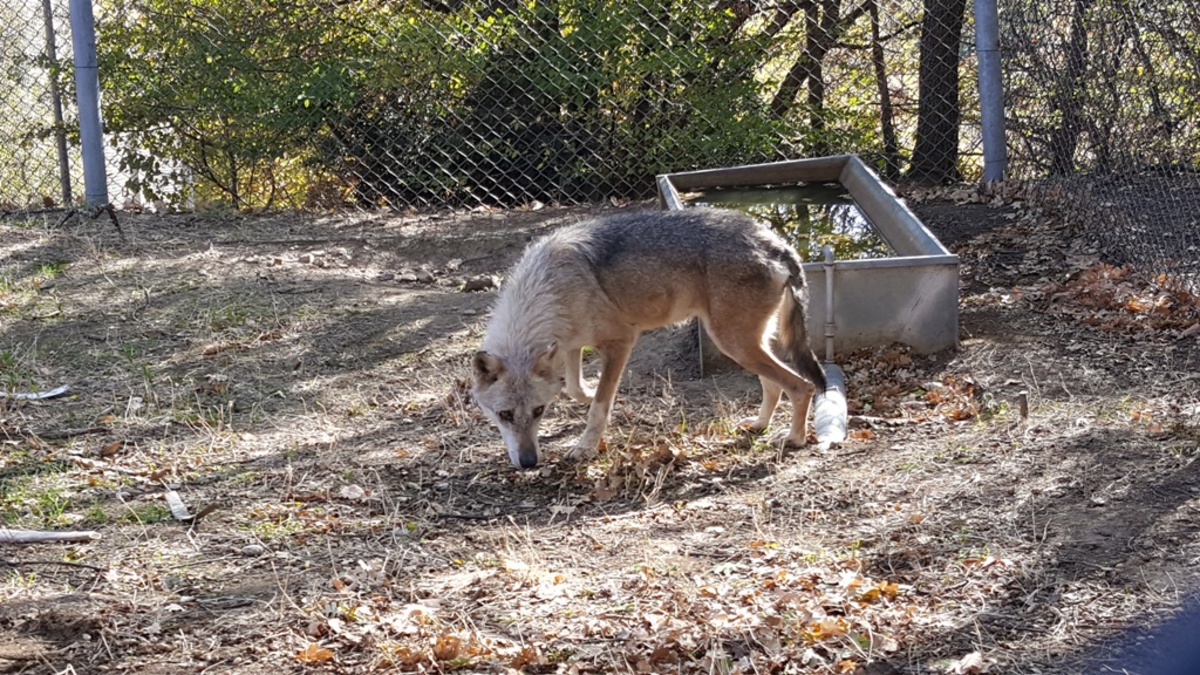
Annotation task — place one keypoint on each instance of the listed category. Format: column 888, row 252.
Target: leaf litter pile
column 268, row 424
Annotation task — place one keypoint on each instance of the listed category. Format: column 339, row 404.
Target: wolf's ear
column 487, row 368
column 544, row 364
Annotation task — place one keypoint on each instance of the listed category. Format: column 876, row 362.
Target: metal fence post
column 87, row 86
column 991, row 90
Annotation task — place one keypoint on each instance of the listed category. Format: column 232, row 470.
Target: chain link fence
column 1103, row 101
column 350, row 103
column 316, row 103
column 335, row 104
column 35, row 160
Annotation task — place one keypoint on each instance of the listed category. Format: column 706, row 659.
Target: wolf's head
column 514, row 393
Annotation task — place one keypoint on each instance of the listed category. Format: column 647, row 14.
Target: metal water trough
column 911, row 298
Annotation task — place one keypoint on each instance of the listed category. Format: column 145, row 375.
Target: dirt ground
column 298, row 383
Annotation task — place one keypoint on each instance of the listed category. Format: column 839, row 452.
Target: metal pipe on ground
column 829, row 407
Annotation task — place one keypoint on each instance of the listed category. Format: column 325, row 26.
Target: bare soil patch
column 306, row 377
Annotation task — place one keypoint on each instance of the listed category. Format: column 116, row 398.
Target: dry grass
column 304, row 377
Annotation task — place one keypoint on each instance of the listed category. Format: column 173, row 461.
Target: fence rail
column 359, row 104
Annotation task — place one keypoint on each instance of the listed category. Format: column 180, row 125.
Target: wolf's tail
column 793, row 333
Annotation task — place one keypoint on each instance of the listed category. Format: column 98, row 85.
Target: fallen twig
column 481, row 516
column 58, row 563
column 98, row 465
column 94, row 213
column 35, row 395
column 39, row 537
column 469, row 516
column 68, row 433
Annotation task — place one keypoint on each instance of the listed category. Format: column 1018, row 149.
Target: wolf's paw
column 582, row 395
column 751, row 425
column 784, row 438
column 583, row 450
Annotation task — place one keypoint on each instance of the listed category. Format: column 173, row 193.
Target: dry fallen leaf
column 826, row 628
column 603, row 494
column 448, row 647
column 314, row 653
column 406, row 656
column 216, row 348
column 970, row 664
column 526, row 657
column 665, row 653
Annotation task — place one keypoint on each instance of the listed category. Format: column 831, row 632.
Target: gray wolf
column 602, row 282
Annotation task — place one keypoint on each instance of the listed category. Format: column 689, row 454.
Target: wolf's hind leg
column 574, row 375
column 615, row 355
column 766, row 365
column 743, row 340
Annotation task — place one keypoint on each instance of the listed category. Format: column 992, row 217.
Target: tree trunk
column 887, row 118
column 805, row 65
column 817, row 48
column 935, row 156
column 824, row 25
column 1064, row 140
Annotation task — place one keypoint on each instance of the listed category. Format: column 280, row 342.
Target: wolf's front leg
column 575, row 386
column 615, row 355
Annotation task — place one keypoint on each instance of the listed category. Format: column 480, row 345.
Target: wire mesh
column 335, row 104
column 1104, row 118
column 314, row 103
column 34, row 138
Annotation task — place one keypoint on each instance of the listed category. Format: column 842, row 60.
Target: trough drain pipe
column 829, row 406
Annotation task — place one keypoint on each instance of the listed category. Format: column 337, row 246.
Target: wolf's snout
column 527, row 453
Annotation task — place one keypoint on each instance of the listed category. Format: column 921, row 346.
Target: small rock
column 425, row 277
column 876, row 668
column 387, row 276
column 469, row 312
column 354, row 493
column 253, row 550
column 483, row 282
column 308, row 258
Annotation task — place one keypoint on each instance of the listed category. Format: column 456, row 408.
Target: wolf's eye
column 505, row 416
column 537, row 412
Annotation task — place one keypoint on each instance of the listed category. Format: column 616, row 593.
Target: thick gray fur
column 602, row 282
